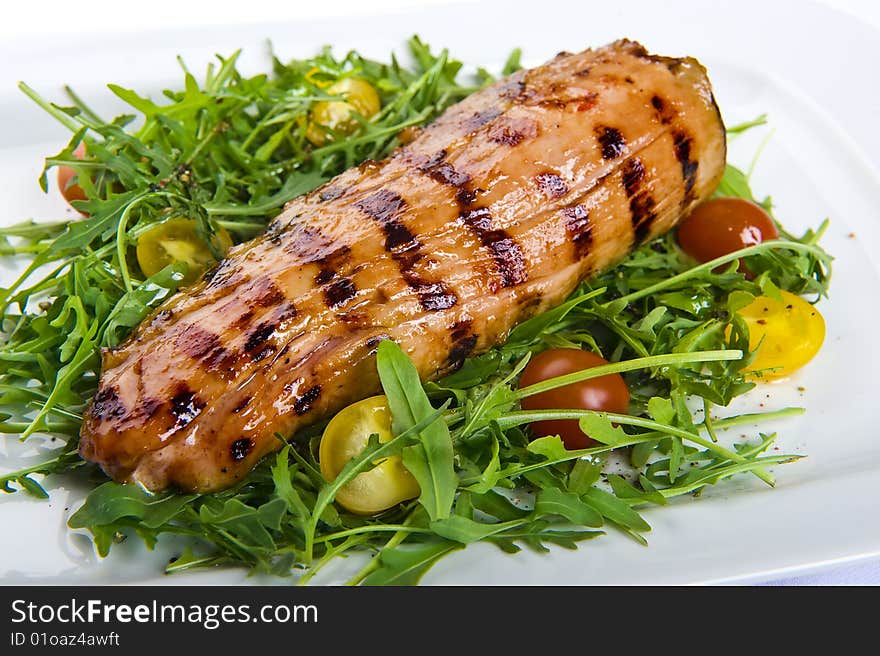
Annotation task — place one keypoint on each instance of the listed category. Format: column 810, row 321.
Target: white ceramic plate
column 812, row 78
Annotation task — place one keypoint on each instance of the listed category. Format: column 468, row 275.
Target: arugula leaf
column 109, row 504
column 431, row 460
column 614, row 509
column 599, row 428
column 407, row 565
column 551, row 447
column 552, row 501
column 464, row 530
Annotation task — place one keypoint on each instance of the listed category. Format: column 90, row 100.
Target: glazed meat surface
column 493, row 214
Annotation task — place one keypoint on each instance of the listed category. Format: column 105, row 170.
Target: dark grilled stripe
column 461, row 350
column 331, row 193
column 664, row 112
column 196, row 342
column 460, row 329
column 682, row 146
column 513, row 88
column 437, row 168
column 669, row 62
column 512, row 131
column 309, row 245
column 508, row 257
column 242, row 404
column 633, row 174
column 107, row 405
column 506, row 252
column 339, row 291
column 478, row 220
column 222, row 362
column 398, row 237
column 466, row 197
column 479, row 119
column 551, row 185
column 263, row 293
column 641, row 204
column 579, row 229
column 305, row 402
column 373, row 342
column 331, row 264
column 240, row 448
column 226, row 274
column 256, row 341
column 440, row 170
column 284, row 312
column 433, row 296
column 336, row 258
column 274, row 231
column 611, row 141
column 463, row 342
column 443, row 172
column 587, row 103
column 243, row 320
column 324, row 276
column 185, row 406
column 384, row 207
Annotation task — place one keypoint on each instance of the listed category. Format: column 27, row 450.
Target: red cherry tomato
column 606, row 393
column 69, row 189
column 724, row 225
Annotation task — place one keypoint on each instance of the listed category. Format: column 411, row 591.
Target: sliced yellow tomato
column 338, row 115
column 345, row 437
column 177, row 240
column 790, row 332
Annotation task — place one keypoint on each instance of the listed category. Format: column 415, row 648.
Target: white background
column 52, row 20
column 57, row 17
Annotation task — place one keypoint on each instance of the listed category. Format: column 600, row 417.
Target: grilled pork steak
column 494, row 213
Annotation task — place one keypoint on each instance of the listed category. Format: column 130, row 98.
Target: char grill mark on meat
column 385, row 207
column 579, row 230
column 641, row 204
column 506, row 253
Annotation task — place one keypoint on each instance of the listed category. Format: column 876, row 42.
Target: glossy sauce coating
column 492, row 214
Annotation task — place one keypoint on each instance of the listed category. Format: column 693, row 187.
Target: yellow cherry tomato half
column 345, row 437
column 792, row 331
column 338, row 115
column 178, row 240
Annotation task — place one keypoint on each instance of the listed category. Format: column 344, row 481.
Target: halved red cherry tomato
column 606, row 393
column 67, row 178
column 724, row 225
